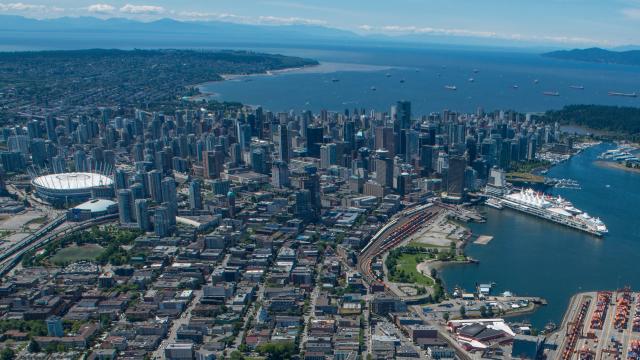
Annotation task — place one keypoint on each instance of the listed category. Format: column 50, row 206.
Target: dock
column 483, row 240
column 600, row 325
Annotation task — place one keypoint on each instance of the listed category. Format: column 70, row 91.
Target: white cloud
column 415, row 30
column 632, row 13
column 100, row 8
column 274, row 20
column 260, row 20
column 142, row 9
column 21, row 7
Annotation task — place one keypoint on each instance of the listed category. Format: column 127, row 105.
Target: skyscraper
column 328, row 155
column 161, row 221
column 169, row 197
column 259, row 161
column 280, row 174
column 212, row 162
column 125, row 201
column 155, row 185
column 403, row 115
column 384, row 168
column 284, row 144
column 455, row 176
column 142, row 214
column 314, row 140
column 195, row 195
column 50, row 123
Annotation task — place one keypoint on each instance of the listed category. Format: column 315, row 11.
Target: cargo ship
column 554, row 209
column 615, row 93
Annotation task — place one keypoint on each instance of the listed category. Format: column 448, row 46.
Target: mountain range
column 21, row 33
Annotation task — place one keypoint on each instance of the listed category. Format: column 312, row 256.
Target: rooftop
column 96, row 205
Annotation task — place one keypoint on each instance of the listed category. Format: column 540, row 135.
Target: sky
column 607, row 23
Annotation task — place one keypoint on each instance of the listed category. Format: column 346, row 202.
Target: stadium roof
column 72, row 181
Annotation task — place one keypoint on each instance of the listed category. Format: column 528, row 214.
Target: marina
column 622, row 153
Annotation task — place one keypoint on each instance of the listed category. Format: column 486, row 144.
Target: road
column 443, row 333
column 312, row 305
column 175, row 325
column 46, row 234
column 249, row 314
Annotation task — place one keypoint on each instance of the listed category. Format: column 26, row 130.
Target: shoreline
column 320, row 67
column 208, row 95
column 226, row 77
column 616, row 166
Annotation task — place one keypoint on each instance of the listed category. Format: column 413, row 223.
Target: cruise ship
column 554, row 209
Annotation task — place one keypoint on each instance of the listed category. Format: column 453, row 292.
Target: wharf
column 602, row 325
column 483, row 240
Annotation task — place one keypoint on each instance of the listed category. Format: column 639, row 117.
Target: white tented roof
column 72, row 181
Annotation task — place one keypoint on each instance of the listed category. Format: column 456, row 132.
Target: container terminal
column 603, row 325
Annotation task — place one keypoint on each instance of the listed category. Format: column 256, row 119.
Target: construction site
column 600, row 325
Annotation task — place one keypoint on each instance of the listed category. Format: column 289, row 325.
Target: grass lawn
column 77, row 253
column 524, row 177
column 407, row 264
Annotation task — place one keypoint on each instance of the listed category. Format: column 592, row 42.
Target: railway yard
column 395, row 232
column 603, row 325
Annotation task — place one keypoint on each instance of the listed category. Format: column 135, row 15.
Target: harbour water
column 527, row 256
column 530, row 256
column 421, row 75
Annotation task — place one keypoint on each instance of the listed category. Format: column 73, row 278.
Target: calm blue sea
column 425, row 74
column 533, row 257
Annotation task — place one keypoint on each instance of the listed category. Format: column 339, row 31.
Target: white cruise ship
column 555, row 209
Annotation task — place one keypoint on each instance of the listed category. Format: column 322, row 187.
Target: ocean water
column 425, row 74
column 530, row 256
column 527, row 256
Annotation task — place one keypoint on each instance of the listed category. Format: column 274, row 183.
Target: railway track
column 42, row 237
column 391, row 235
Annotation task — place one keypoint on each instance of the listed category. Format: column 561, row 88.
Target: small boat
column 335, row 80
column 577, row 87
column 451, row 87
column 516, row 87
column 551, row 93
column 614, row 93
column 388, row 75
column 472, row 79
column 475, row 71
column 373, row 88
column 494, row 203
column 536, row 81
column 402, row 81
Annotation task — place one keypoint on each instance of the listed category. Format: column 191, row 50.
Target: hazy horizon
column 550, row 23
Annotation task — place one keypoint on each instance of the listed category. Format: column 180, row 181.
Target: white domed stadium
column 72, row 187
